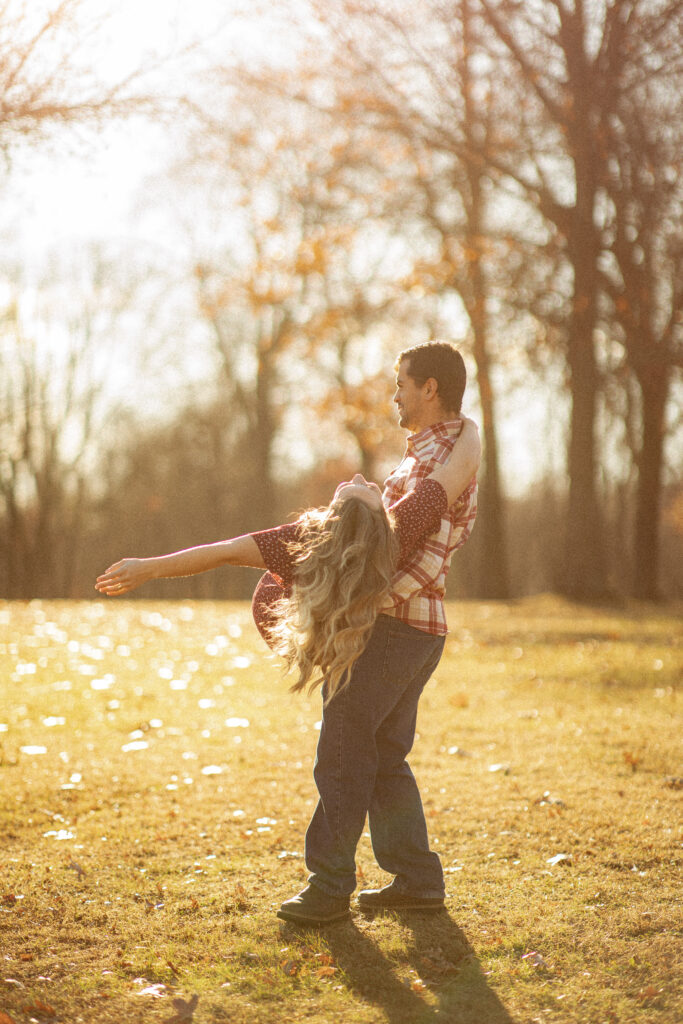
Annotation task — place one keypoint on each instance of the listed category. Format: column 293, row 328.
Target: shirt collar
column 417, row 444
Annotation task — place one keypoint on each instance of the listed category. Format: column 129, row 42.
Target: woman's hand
column 124, row 576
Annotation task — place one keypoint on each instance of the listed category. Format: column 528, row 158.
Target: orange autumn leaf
column 44, row 1009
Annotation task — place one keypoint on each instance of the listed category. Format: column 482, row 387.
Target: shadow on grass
column 441, row 957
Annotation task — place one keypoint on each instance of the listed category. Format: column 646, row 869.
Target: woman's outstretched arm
column 130, row 573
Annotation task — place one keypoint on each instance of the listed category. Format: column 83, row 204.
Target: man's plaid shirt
column 418, row 588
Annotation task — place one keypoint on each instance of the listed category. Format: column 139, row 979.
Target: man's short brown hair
column 443, row 362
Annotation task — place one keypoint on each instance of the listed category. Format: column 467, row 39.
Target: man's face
column 408, row 398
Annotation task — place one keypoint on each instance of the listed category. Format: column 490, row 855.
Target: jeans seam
column 340, row 758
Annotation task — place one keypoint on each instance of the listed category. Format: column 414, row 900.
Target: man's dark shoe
column 392, row 898
column 313, row 906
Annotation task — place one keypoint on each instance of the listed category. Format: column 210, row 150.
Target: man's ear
column 430, row 388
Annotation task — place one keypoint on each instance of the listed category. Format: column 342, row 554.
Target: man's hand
column 124, row 576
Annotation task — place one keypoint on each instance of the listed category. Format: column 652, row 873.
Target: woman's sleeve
column 274, row 584
column 269, row 590
column 417, row 514
column 275, row 551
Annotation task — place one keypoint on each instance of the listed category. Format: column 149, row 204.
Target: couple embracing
column 353, row 599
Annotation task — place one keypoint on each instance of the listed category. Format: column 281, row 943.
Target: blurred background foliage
column 502, row 174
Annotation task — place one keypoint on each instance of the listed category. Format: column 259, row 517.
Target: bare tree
column 411, row 80
column 511, row 108
column 292, row 298
column 572, row 69
column 57, row 360
column 47, row 80
column 46, row 426
column 643, row 284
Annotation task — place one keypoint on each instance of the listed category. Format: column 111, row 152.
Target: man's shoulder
column 436, row 439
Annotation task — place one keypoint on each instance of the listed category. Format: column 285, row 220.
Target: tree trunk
column 493, row 579
column 654, row 386
column 585, row 564
column 585, row 573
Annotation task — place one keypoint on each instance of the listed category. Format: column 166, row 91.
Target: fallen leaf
column 418, row 985
column 157, row 991
column 646, row 994
column 436, row 964
column 548, row 800
column 559, row 858
column 26, row 957
column 290, row 967
column 40, row 1008
column 535, row 959
column 325, row 972
column 5, row 1018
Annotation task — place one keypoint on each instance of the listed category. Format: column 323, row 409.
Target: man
column 369, row 727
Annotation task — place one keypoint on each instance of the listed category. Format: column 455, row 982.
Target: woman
column 329, row 572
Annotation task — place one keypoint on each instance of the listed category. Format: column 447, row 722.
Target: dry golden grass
column 144, row 852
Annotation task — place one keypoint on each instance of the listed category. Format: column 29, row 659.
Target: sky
column 87, row 186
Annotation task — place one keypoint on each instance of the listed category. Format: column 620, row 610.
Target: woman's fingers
column 115, row 580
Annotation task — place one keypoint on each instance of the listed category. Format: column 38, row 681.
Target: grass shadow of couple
column 444, row 980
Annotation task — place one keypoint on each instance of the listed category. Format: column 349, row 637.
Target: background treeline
column 504, row 174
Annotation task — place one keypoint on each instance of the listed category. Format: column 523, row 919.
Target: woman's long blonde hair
column 344, row 562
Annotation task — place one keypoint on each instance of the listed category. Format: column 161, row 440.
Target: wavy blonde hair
column 344, row 562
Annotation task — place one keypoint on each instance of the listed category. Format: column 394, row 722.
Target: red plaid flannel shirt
column 418, row 588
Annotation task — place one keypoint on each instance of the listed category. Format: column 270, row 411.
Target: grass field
column 155, row 785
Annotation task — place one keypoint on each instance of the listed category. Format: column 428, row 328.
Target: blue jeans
column 367, row 732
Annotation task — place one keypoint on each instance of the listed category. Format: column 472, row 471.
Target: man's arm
column 130, row 573
column 457, row 472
